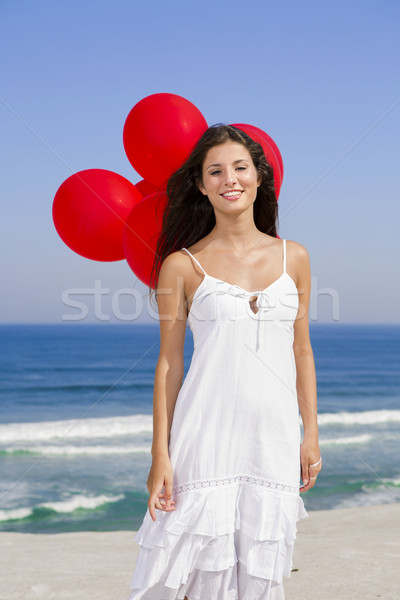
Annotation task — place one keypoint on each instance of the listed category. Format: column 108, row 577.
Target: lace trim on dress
column 226, row 481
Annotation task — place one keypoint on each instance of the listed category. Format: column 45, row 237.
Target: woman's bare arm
column 169, row 373
column 170, row 368
column 305, row 367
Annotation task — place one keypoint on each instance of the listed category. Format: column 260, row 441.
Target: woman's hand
column 160, row 475
column 309, row 455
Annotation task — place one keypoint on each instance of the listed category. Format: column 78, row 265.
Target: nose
column 231, row 177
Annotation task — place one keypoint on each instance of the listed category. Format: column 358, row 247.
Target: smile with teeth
column 233, row 195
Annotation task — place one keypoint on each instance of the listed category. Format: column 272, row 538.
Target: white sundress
column 235, row 452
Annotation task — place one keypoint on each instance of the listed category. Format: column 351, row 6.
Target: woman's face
column 230, row 179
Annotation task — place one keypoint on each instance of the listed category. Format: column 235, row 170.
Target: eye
column 242, row 168
column 215, row 172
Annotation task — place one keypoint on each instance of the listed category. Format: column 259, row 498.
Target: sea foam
column 109, row 427
column 68, row 505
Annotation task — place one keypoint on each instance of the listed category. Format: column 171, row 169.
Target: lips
column 232, row 195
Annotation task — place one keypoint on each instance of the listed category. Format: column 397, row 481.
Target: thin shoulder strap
column 195, row 260
column 284, row 256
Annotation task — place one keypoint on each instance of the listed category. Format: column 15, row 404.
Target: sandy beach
column 344, row 554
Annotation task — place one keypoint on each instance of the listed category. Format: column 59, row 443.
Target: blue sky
column 320, row 77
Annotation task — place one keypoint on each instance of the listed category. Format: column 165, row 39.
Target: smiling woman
column 189, row 215
column 238, row 174
column 227, row 453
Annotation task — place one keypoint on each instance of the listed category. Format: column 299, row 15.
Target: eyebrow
column 235, row 163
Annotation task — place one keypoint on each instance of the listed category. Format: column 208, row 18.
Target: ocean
column 76, row 422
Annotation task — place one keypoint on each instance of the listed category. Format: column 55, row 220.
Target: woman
column 227, row 454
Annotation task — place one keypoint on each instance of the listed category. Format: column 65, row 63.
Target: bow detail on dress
column 263, row 305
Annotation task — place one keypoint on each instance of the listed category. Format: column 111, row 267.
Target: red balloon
column 159, row 134
column 141, row 232
column 146, row 188
column 89, row 212
column 271, row 142
column 273, row 156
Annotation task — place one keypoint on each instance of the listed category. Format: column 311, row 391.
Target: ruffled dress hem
column 228, row 543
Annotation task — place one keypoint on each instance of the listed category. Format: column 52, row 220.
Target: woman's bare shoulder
column 173, row 266
column 297, row 250
column 297, row 261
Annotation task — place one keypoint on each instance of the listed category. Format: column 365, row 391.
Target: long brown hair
column 189, row 215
